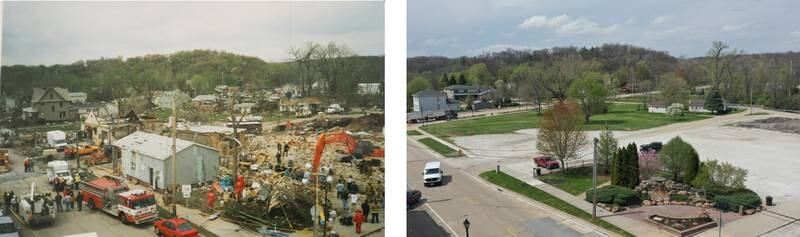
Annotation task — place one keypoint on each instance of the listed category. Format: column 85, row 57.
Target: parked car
column 8, row 228
column 546, row 162
column 656, row 146
column 175, row 227
column 412, row 198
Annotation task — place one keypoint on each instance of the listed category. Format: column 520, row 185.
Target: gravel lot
column 769, row 156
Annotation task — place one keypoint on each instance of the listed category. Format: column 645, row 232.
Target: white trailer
column 58, row 168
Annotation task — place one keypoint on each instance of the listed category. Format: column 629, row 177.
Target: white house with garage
column 147, row 157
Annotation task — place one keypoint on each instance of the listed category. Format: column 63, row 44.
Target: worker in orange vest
column 358, row 219
column 212, row 197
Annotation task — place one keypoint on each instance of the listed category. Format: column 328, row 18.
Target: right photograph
column 623, row 118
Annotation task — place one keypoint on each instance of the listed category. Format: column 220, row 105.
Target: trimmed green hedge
column 613, row 194
column 678, row 197
column 731, row 201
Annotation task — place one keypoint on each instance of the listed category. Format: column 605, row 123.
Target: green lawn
column 575, row 181
column 508, row 182
column 413, row 133
column 620, row 117
column 439, row 147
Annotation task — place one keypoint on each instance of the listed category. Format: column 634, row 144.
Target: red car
column 546, row 162
column 175, row 227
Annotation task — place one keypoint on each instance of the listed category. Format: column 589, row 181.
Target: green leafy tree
column 673, row 88
column 720, row 177
column 606, row 149
column 674, row 156
column 590, row 93
column 478, row 74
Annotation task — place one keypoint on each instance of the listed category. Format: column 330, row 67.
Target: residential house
column 462, row 92
column 245, row 108
column 102, row 109
column 697, row 106
column 657, row 107
column 205, row 103
column 77, row 97
column 427, row 101
column 294, row 105
column 104, row 130
column 369, row 88
column 51, row 104
column 163, row 99
column 208, row 135
column 148, row 158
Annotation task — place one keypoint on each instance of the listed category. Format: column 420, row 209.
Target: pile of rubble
column 660, row 192
column 780, row 124
column 279, row 187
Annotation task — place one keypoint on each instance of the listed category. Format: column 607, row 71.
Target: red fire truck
column 110, row 194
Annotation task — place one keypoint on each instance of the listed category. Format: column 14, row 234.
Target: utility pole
column 594, row 179
column 174, row 156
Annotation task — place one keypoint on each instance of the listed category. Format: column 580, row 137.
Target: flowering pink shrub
column 649, row 164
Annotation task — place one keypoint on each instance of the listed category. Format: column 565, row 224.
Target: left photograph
column 192, row 119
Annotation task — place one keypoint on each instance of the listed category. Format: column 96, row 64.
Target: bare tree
column 560, row 132
column 304, row 57
column 720, row 62
column 333, row 62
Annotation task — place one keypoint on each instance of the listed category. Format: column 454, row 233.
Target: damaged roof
column 153, row 145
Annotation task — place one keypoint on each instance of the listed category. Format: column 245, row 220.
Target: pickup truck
column 80, row 150
column 546, row 162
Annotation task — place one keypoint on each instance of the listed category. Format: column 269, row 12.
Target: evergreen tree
column 462, row 80
column 452, row 80
column 617, row 172
column 633, row 157
column 714, row 102
column 692, row 166
column 443, row 81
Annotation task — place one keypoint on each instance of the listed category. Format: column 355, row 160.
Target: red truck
column 546, row 162
column 110, row 194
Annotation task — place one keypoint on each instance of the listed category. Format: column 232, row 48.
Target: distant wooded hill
column 771, row 78
column 197, row 71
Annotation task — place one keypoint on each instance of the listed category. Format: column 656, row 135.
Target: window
column 60, row 105
column 169, row 225
column 52, row 108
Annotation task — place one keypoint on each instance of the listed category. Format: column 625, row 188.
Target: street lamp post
column 594, row 179
column 466, row 225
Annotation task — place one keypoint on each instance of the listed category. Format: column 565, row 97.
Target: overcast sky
column 681, row 27
column 64, row 32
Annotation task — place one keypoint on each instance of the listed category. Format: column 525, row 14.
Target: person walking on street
column 340, row 192
column 27, row 164
column 365, row 208
column 79, row 200
column 286, row 149
column 353, row 201
column 376, row 212
column 358, row 219
column 58, row 202
column 66, row 202
column 72, row 200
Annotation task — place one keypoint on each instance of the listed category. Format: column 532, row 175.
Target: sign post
column 186, row 189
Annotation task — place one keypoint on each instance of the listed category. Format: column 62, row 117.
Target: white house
column 657, row 107
column 102, row 110
column 697, row 106
column 369, row 88
column 77, row 97
column 429, row 100
column 147, row 157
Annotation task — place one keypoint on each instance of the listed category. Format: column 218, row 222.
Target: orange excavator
column 340, row 137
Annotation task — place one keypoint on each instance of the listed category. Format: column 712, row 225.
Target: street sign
column 186, row 189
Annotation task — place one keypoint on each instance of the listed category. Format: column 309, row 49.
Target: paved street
column 66, row 223
column 492, row 211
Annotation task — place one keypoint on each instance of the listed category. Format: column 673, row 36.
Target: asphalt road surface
column 490, row 210
column 66, row 223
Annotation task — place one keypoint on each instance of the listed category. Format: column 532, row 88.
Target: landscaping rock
column 749, row 211
column 646, row 202
column 683, row 192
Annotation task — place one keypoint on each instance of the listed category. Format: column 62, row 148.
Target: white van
column 432, row 175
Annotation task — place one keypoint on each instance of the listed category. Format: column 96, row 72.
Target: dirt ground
column 769, row 156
